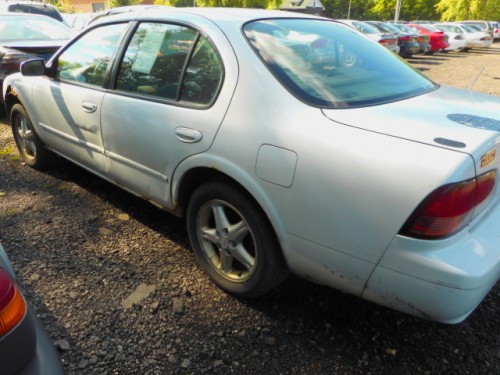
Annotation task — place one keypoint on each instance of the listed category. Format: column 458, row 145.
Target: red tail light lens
column 12, row 305
column 449, row 208
column 8, row 67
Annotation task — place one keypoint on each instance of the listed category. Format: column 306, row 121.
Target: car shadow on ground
column 317, row 317
column 428, row 59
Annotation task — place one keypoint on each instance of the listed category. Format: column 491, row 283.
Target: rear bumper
column 439, row 280
column 46, row 359
column 479, row 44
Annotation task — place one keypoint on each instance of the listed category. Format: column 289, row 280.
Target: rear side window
column 171, row 62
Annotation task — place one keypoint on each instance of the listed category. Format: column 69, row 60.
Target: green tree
column 410, row 10
column 121, row 3
column 457, row 10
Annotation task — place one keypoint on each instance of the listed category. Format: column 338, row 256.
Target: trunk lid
column 44, row 49
column 454, row 119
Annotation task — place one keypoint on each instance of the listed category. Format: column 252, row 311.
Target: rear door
column 172, row 90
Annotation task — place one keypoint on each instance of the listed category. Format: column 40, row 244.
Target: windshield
column 450, row 28
column 404, row 28
column 365, row 28
column 468, row 29
column 389, row 28
column 32, row 28
column 329, row 65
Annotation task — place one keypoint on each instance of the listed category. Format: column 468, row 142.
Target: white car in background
column 496, row 30
column 474, row 37
column 456, row 37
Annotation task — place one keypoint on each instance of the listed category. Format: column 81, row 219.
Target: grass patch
column 6, row 151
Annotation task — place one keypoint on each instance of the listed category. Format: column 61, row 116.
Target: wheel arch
column 11, row 99
column 193, row 173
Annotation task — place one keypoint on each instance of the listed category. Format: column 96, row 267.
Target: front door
column 70, row 114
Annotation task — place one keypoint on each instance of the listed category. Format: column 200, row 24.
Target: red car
column 438, row 39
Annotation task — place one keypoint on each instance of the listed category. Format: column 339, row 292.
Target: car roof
column 232, row 15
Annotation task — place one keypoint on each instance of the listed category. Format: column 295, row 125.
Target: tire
column 233, row 241
column 32, row 149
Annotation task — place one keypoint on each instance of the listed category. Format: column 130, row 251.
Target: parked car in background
column 407, row 42
column 423, row 40
column 389, row 41
column 78, row 21
column 31, row 7
column 486, row 26
column 473, row 38
column 437, row 39
column 422, row 22
column 337, row 133
column 496, row 30
column 119, row 10
column 25, row 347
column 456, row 37
column 27, row 36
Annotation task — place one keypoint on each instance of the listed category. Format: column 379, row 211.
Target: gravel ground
column 116, row 285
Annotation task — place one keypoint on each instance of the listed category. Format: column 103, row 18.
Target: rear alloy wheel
column 233, row 241
column 31, row 148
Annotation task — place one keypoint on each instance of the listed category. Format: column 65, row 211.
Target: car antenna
column 477, row 77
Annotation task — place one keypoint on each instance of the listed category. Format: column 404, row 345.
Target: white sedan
column 456, row 36
column 474, row 38
column 289, row 142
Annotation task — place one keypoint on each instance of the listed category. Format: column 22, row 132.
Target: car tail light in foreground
column 12, row 305
column 7, row 68
column 449, row 208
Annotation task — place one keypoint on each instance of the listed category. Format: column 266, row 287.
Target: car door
column 69, row 115
column 172, row 91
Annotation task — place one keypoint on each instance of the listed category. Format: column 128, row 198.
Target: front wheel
column 30, row 146
column 233, row 240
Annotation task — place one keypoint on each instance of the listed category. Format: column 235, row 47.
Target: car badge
column 488, row 158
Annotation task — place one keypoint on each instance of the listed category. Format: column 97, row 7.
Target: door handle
column 188, row 135
column 89, row 107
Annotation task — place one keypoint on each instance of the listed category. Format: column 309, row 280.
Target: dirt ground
column 477, row 69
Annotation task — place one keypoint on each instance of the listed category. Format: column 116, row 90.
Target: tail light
column 12, row 305
column 449, row 208
column 388, row 42
column 7, row 68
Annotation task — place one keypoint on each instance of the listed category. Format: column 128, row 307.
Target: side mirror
column 34, row 67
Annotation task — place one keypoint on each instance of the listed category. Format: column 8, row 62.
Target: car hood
column 455, row 119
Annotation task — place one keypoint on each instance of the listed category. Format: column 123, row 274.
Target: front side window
column 86, row 60
column 328, row 65
column 170, row 62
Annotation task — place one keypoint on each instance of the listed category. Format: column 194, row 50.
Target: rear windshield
column 330, row 65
